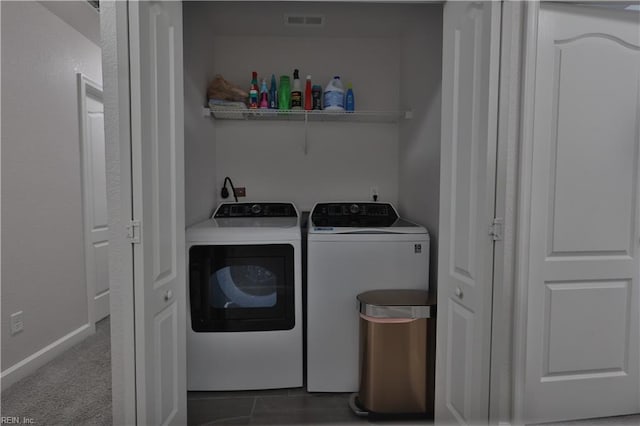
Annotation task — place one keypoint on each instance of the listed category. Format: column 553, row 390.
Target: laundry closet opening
column 391, row 54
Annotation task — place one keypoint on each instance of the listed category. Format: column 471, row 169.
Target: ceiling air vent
column 95, row 4
column 315, row 21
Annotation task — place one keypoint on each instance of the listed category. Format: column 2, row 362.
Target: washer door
column 241, row 287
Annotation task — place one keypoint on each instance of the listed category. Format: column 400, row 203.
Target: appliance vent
column 316, row 21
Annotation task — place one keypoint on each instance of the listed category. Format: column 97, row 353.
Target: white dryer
column 353, row 248
column 245, row 299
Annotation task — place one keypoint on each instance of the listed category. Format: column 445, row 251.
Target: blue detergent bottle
column 273, row 94
column 350, row 101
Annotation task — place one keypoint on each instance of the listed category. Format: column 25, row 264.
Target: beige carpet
column 73, row 389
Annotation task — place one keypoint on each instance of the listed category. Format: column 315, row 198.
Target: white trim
column 524, row 210
column 135, row 145
column 102, row 304
column 86, row 86
column 501, row 394
column 0, row 173
column 114, row 22
column 30, row 364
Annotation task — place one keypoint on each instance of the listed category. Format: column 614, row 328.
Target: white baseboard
column 102, row 305
column 30, row 364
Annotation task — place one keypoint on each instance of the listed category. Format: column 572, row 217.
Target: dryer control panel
column 256, row 210
column 357, row 215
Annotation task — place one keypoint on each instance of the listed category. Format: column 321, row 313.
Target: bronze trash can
column 397, row 352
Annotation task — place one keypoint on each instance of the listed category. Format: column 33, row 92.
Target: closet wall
column 419, row 147
column 199, row 142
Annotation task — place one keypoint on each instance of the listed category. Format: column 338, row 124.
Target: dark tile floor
column 279, row 407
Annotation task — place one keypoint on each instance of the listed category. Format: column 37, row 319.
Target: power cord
column 224, row 193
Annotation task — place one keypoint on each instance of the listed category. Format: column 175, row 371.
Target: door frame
column 87, row 86
column 506, row 207
column 505, row 350
column 114, row 25
column 530, row 49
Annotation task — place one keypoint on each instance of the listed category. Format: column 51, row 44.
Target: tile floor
column 279, row 407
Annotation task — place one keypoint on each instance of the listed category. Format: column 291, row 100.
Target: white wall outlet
column 374, row 193
column 17, row 324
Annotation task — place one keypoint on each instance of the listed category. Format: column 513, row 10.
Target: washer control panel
column 256, row 210
column 359, row 215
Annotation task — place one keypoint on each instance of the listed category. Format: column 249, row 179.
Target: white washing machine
column 245, row 299
column 353, row 248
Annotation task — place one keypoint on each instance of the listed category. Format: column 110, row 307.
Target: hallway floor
column 73, row 389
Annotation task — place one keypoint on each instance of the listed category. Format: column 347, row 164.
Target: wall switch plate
column 17, row 324
column 241, row 191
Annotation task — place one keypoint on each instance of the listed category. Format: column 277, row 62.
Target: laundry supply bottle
column 284, row 95
column 350, row 102
column 308, row 101
column 296, row 91
column 316, row 96
column 273, row 93
column 253, row 91
column 264, row 95
column 334, row 95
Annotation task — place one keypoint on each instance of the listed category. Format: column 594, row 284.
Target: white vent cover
column 311, row 21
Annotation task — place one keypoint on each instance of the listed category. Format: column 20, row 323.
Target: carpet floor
column 73, row 389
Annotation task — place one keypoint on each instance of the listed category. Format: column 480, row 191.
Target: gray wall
column 199, row 144
column 392, row 54
column 344, row 160
column 42, row 238
column 419, row 178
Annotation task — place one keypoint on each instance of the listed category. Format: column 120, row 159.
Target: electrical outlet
column 17, row 324
column 241, row 191
column 374, row 193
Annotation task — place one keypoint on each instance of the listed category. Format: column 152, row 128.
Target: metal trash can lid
column 398, row 304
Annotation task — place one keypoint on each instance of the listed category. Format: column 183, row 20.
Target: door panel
column 581, row 188
column 95, row 197
column 582, row 326
column 158, row 203
column 469, row 129
column 461, row 359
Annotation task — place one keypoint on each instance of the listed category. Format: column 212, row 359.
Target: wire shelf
column 310, row 116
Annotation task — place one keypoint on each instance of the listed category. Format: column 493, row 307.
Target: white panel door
column 94, row 188
column 582, row 303
column 471, row 47
column 157, row 138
